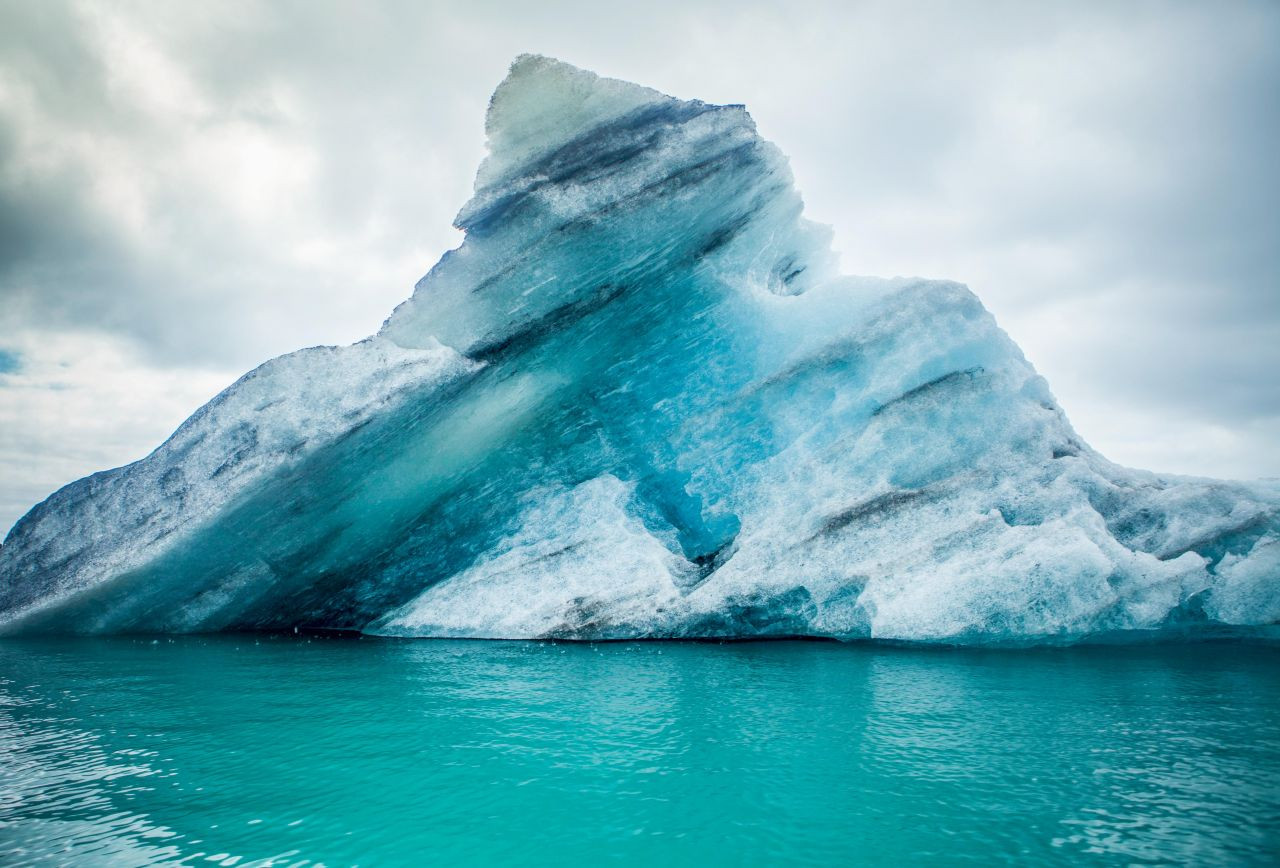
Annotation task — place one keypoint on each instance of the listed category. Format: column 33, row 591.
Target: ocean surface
column 307, row 750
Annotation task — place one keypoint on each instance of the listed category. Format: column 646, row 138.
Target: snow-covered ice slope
column 638, row 401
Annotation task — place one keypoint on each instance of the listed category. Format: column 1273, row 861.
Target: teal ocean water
column 247, row 750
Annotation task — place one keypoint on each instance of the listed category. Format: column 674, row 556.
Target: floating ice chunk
column 638, row 401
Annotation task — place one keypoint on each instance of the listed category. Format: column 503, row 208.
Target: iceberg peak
column 545, row 103
column 639, row 401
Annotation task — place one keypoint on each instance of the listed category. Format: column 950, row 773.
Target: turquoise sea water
column 238, row 749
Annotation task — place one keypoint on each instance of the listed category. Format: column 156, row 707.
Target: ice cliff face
column 639, row 402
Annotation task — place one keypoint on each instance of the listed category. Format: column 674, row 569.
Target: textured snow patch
column 270, row 419
column 581, row 565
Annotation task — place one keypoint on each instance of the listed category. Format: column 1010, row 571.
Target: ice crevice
column 639, row 401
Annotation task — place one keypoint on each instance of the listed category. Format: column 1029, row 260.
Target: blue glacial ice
column 639, row 401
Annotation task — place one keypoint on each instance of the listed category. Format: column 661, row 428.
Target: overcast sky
column 187, row 189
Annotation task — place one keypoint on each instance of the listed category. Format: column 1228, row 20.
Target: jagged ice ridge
column 638, row 401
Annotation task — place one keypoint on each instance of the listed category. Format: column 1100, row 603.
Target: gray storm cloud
column 187, row 191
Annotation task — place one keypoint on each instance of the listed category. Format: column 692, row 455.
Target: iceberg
column 639, row 401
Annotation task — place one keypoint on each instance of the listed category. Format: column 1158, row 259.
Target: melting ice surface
column 638, row 401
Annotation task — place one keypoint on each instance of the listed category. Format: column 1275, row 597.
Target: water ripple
column 282, row 751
